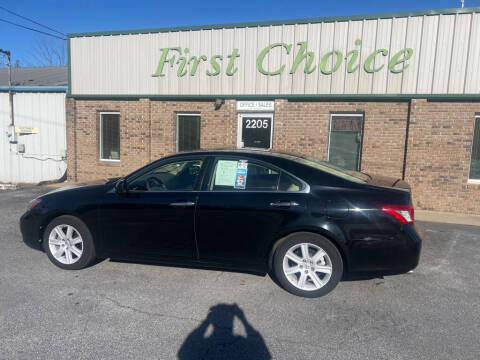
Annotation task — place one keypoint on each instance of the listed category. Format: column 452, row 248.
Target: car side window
column 243, row 175
column 177, row 176
column 289, row 183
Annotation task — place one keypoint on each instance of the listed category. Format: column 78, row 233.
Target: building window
column 255, row 131
column 345, row 140
column 188, row 132
column 475, row 159
column 110, row 136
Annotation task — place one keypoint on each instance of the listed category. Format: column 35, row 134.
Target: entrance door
column 255, row 131
column 345, row 140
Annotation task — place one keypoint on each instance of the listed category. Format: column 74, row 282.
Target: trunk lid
column 387, row 181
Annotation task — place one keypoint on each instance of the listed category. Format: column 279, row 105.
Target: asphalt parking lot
column 121, row 310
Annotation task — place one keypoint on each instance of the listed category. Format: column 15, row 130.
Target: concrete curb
column 447, row 218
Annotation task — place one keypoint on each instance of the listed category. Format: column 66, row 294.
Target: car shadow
column 214, row 337
column 188, row 266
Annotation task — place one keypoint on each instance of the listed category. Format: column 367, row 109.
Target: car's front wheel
column 68, row 243
column 307, row 264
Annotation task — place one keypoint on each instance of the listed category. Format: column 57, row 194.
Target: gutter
column 35, row 88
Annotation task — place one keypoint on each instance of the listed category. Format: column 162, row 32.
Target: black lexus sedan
column 305, row 222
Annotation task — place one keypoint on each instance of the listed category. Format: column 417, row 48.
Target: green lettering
column 370, row 59
column 231, row 63
column 264, row 53
column 215, row 65
column 303, row 54
column 163, row 60
column 399, row 58
column 324, row 60
column 182, row 60
column 351, row 67
column 196, row 61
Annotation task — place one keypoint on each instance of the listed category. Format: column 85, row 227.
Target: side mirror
column 121, row 187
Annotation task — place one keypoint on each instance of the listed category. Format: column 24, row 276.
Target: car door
column 243, row 207
column 155, row 218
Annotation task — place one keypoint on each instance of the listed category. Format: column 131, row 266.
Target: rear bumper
column 391, row 254
column 30, row 227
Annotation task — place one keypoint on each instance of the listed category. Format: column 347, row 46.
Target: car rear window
column 350, row 175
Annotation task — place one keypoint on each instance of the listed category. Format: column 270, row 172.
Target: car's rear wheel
column 307, row 264
column 68, row 243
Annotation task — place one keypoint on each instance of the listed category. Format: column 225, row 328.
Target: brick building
column 394, row 94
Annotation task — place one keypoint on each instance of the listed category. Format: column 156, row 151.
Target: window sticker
column 241, row 174
column 242, row 164
column 225, row 173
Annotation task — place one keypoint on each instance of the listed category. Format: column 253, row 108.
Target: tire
column 78, row 248
column 309, row 277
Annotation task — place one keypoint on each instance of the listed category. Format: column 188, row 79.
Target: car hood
column 82, row 186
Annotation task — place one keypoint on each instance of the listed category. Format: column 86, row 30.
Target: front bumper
column 30, row 227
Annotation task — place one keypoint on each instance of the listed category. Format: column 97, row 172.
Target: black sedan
column 305, row 222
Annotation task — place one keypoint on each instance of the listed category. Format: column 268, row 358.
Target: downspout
column 407, row 130
column 75, row 138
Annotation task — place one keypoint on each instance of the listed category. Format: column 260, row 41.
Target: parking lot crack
column 119, row 305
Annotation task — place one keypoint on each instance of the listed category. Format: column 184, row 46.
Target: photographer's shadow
column 214, row 338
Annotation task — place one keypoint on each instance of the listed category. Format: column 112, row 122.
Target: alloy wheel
column 307, row 266
column 65, row 244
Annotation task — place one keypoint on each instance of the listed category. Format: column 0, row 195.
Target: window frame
column 353, row 114
column 195, row 114
column 471, row 180
column 100, row 148
column 240, row 128
column 207, row 180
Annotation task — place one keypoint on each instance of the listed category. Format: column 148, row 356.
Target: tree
column 48, row 52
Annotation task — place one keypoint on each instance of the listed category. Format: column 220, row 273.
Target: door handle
column 182, row 203
column 284, row 204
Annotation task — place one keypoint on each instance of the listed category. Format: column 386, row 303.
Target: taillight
column 403, row 213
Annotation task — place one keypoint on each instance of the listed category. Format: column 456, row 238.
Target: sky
column 69, row 16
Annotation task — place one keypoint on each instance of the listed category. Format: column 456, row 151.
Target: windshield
column 350, row 175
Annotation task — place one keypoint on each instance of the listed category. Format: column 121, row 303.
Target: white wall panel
column 298, row 79
column 314, row 36
column 43, row 157
column 427, row 54
column 458, row 65
column 384, row 34
column 413, row 40
column 326, row 45
column 340, row 44
column 445, row 59
column 443, row 54
column 397, row 43
column 472, row 78
column 263, row 40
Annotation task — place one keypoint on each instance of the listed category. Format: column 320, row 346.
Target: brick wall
column 438, row 148
column 302, row 128
column 147, row 132
column 438, row 159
